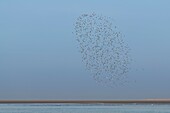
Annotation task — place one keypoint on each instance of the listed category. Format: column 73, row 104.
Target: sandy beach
column 88, row 101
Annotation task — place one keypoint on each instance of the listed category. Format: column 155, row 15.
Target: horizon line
column 89, row 101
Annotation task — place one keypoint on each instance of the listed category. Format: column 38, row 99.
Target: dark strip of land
column 88, row 101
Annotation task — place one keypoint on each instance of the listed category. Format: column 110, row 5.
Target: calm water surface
column 84, row 108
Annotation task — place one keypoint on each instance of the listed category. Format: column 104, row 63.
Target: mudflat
column 89, row 101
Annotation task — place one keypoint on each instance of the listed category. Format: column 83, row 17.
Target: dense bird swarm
column 103, row 49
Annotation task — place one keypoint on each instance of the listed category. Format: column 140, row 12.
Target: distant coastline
column 89, row 101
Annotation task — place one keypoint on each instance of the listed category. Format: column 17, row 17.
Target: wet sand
column 145, row 101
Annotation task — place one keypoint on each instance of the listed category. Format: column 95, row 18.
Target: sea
column 84, row 108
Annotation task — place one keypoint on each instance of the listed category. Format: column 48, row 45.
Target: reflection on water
column 84, row 108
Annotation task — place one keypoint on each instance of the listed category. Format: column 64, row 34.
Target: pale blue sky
column 39, row 58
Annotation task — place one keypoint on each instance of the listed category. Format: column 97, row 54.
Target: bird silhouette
column 103, row 50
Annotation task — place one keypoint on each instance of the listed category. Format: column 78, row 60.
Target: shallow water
column 84, row 108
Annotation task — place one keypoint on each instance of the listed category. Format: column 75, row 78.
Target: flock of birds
column 104, row 52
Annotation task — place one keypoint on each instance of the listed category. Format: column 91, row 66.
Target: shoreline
column 145, row 101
